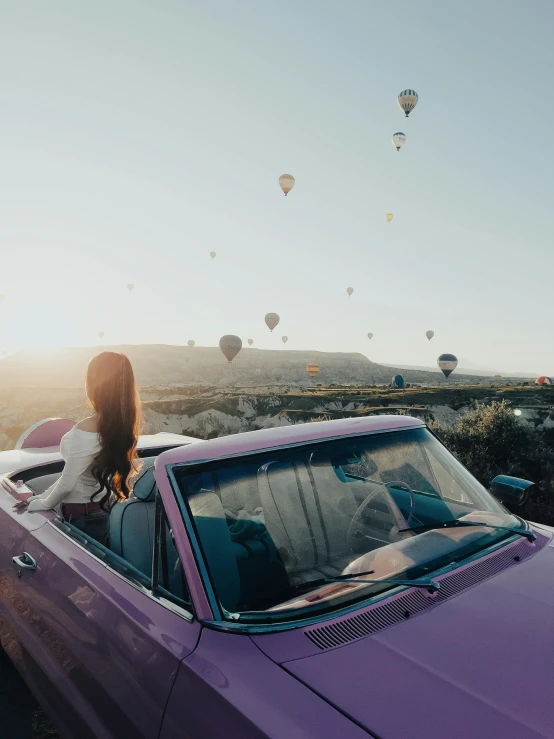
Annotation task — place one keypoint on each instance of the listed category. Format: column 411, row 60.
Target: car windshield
column 275, row 529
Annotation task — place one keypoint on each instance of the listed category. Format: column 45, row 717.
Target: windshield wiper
column 430, row 585
column 312, row 584
column 315, row 584
column 456, row 523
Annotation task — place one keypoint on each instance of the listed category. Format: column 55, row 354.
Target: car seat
column 338, row 499
column 132, row 522
column 217, row 546
column 292, row 517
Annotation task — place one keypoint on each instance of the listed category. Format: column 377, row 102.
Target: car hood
column 480, row 664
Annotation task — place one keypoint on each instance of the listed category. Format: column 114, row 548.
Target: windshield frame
column 264, row 621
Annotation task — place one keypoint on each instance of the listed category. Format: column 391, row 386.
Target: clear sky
column 136, row 137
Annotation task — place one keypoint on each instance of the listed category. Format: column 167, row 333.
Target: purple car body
column 291, row 640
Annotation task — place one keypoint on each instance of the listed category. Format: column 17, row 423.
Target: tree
column 491, row 440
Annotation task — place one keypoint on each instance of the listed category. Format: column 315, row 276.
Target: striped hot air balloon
column 407, row 100
column 447, row 363
column 543, row 380
column 312, row 369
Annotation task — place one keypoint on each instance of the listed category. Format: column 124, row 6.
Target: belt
column 80, row 509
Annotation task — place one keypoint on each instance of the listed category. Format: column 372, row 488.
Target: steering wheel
column 360, row 527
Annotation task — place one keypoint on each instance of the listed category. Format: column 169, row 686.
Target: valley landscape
column 194, row 391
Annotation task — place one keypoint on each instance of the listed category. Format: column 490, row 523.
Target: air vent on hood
column 382, row 615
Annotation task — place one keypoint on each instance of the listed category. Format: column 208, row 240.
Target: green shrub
column 491, row 440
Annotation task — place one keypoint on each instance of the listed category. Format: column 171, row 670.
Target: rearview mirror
column 511, row 490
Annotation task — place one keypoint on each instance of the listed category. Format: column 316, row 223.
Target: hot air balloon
column 497, row 378
column 285, row 339
column 191, row 343
column 389, row 217
column 543, row 380
column 286, row 181
column 230, row 345
column 407, row 100
column 312, row 369
column 271, row 320
column 213, row 254
column 250, row 342
column 429, row 334
column 100, row 334
column 257, row 371
column 278, row 374
column 130, row 286
column 398, row 382
column 370, row 336
column 349, row 290
column 2, row 297
column 447, row 363
column 399, row 139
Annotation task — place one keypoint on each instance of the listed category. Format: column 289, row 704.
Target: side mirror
column 511, row 490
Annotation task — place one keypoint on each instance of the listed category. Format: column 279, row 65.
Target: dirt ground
column 20, row 715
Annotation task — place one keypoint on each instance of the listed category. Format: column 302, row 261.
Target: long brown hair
column 112, row 392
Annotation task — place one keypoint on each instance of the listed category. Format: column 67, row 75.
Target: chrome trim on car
column 25, row 561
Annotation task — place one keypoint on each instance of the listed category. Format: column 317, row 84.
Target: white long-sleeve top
column 76, row 484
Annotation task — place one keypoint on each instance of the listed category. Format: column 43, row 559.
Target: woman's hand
column 21, row 505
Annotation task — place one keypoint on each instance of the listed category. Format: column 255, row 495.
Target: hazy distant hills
column 465, row 367
column 161, row 364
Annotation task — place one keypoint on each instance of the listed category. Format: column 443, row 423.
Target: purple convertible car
column 332, row 580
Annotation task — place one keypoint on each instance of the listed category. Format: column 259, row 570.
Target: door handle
column 25, row 561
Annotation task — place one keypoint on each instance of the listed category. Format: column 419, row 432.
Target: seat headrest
column 145, row 485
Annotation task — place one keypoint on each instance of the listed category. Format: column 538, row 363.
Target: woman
column 99, row 452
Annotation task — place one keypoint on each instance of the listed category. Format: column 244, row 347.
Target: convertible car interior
column 131, row 522
column 264, row 527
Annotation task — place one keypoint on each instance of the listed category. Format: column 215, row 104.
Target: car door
column 99, row 643
column 13, row 533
